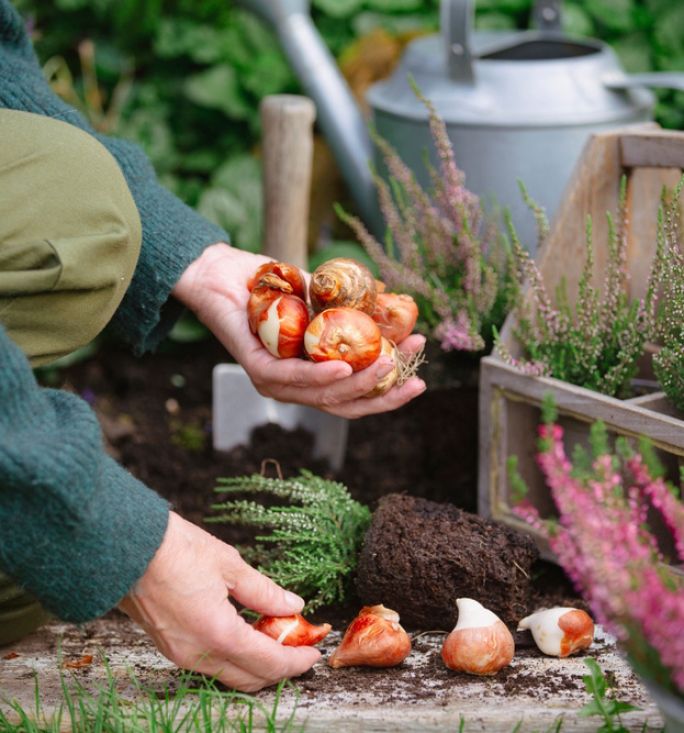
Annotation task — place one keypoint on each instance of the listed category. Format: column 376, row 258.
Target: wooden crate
column 509, row 400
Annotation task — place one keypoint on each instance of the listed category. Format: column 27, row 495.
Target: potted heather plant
column 603, row 285
column 668, row 321
column 441, row 247
column 595, row 343
column 605, row 497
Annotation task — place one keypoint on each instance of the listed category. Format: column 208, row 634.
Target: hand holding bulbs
column 351, row 318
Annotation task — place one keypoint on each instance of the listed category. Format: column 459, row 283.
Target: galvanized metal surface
column 519, row 105
column 345, row 700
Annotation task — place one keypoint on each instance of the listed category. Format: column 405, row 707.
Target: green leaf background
column 198, row 71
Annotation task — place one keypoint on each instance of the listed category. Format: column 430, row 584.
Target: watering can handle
column 546, row 15
column 457, row 20
column 287, row 155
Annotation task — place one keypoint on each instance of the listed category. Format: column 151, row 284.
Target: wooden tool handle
column 287, row 123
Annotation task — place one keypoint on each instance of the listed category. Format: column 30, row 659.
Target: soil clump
column 419, row 556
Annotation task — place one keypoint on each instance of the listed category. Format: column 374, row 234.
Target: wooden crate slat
column 643, row 200
column 665, row 430
column 657, row 149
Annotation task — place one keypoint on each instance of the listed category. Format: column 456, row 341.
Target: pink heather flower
column 458, row 334
column 603, row 543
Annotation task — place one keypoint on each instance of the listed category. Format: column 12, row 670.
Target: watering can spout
column 337, row 113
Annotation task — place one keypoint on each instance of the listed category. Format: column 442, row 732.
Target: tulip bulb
column 279, row 276
column 343, row 333
column 342, row 283
column 480, row 643
column 292, row 630
column 281, row 326
column 560, row 631
column 396, row 314
column 390, row 379
column 373, row 639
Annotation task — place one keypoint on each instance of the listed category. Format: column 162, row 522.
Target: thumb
column 257, row 592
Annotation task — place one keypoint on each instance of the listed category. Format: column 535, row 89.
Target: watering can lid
column 510, row 79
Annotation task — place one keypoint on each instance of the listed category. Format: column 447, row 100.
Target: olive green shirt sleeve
column 173, row 234
column 77, row 529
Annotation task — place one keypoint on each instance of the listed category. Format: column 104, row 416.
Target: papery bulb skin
column 375, row 638
column 480, row 643
column 279, row 276
column 390, row 379
column 396, row 314
column 292, row 630
column 260, row 299
column 560, row 631
column 342, row 283
column 282, row 325
column 344, row 334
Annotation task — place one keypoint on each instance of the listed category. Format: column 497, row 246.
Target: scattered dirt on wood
column 156, row 419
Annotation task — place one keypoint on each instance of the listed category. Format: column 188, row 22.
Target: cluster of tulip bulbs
column 347, row 315
column 479, row 644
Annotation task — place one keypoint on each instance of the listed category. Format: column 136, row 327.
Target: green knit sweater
column 76, row 529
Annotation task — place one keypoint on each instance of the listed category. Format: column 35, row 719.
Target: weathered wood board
column 420, row 695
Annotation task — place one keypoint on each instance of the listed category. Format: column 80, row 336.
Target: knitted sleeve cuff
column 78, row 531
column 82, row 571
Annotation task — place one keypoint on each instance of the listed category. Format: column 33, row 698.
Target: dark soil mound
column 419, row 556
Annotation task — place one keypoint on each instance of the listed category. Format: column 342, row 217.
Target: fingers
column 347, row 397
column 259, row 655
column 412, row 344
column 255, row 591
column 240, row 657
column 392, row 400
column 298, row 373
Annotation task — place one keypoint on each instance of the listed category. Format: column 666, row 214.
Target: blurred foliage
column 184, row 78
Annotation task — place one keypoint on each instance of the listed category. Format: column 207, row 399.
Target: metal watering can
column 517, row 105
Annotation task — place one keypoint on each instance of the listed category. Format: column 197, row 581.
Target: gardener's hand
column 215, row 288
column 182, row 603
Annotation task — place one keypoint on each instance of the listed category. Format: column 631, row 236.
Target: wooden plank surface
column 653, row 148
column 666, row 431
column 420, row 695
column 287, row 138
column 644, row 196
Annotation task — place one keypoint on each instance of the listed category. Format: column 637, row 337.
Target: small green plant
column 603, row 704
column 595, row 343
column 440, row 247
column 195, row 705
column 188, row 435
column 315, row 539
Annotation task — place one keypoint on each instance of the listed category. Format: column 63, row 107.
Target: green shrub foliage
column 316, row 530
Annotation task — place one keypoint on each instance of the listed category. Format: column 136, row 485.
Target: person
column 89, row 238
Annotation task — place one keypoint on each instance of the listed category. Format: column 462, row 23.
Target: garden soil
column 155, row 412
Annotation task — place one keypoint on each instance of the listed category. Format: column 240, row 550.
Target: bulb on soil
column 480, row 643
column 560, row 631
column 373, row 639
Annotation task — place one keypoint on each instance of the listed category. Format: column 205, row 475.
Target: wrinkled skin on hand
column 183, row 602
column 215, row 288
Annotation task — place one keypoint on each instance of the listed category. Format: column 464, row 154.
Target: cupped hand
column 215, row 288
column 182, row 602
